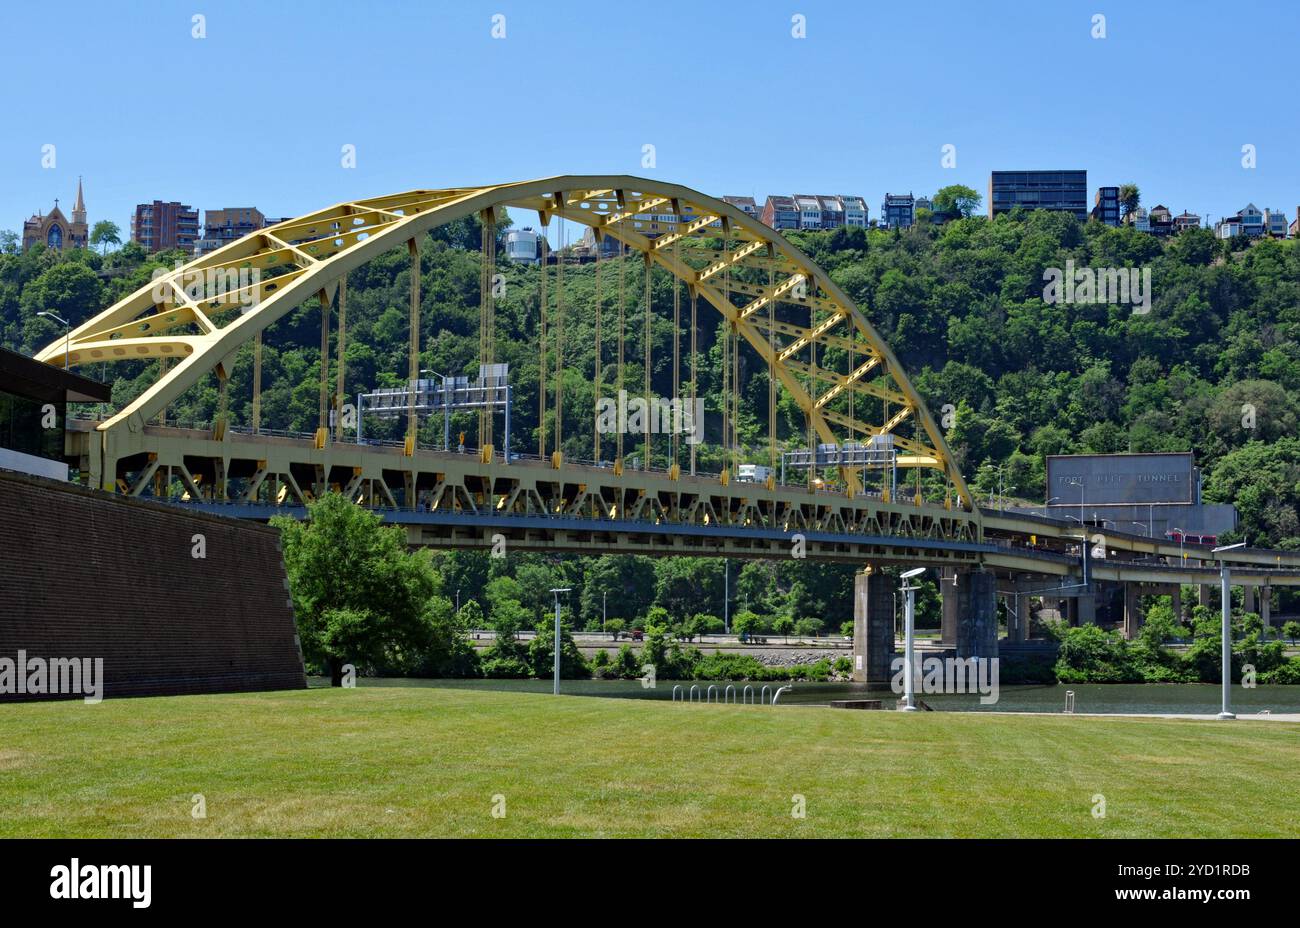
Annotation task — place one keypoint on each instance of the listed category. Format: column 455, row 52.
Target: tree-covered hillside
column 961, row 304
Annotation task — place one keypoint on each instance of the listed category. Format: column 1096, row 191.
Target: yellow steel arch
column 301, row 258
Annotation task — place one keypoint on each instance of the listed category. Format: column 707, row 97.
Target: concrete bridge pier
column 1176, row 601
column 1081, row 609
column 1248, row 599
column 1266, row 605
column 977, row 614
column 1132, row 610
column 873, row 629
column 949, row 595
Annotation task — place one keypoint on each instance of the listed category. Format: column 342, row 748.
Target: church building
column 55, row 230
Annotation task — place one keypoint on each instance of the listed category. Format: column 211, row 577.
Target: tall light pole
column 1048, row 503
column 446, row 409
column 1182, row 535
column 1225, row 596
column 557, row 591
column 909, row 637
column 603, row 597
column 67, row 335
column 726, row 597
column 1078, row 481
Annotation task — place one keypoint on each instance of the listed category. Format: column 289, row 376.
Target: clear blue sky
column 256, row 113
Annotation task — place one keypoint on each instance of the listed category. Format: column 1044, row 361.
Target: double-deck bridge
column 654, row 244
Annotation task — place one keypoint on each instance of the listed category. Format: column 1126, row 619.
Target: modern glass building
column 1059, row 191
column 34, row 401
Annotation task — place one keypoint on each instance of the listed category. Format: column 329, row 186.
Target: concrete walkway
column 1203, row 717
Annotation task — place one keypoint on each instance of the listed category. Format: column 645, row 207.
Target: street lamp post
column 67, row 335
column 1079, row 482
column 1048, row 503
column 446, row 409
column 909, row 638
column 603, row 597
column 1182, row 536
column 557, row 591
column 1225, row 597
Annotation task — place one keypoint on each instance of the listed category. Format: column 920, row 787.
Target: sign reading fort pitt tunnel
column 1122, row 478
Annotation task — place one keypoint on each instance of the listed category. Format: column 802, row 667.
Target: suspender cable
column 812, row 396
column 853, row 354
column 489, row 318
column 542, row 382
column 695, row 380
column 734, row 339
column 164, row 364
column 726, row 360
column 413, row 345
column 559, row 341
column 342, row 359
column 257, row 383
column 484, row 285
column 323, row 400
column 622, row 328
column 677, row 342
column 771, row 371
column 595, row 419
column 649, row 413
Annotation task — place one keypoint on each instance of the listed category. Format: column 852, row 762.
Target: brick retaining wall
column 87, row 574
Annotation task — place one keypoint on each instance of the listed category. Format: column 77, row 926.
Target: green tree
column 359, row 595
column 956, row 200
column 746, row 624
column 105, row 233
column 1129, row 198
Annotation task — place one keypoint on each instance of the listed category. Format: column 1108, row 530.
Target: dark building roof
column 23, row 376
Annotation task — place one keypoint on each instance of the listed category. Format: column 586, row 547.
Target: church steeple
column 79, row 210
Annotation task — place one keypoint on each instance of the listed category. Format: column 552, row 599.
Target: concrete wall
column 977, row 614
column 88, row 575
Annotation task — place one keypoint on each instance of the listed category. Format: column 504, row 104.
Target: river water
column 1183, row 698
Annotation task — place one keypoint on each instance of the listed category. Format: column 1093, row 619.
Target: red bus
column 1193, row 538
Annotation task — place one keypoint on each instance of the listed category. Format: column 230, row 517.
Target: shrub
column 1090, row 655
column 1287, row 673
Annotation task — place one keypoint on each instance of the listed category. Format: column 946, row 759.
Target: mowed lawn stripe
column 428, row 761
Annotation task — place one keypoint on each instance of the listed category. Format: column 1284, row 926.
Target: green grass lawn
column 420, row 761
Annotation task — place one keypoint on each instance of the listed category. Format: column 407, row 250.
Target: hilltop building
column 223, row 226
column 160, row 226
column 55, row 230
column 1057, row 191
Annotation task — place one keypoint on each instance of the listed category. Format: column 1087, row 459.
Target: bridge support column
column 1132, row 610
column 1017, row 608
column 1207, row 595
column 1082, row 609
column 1266, row 605
column 873, row 629
column 949, row 594
column 977, row 619
column 1248, row 599
column 1176, row 602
